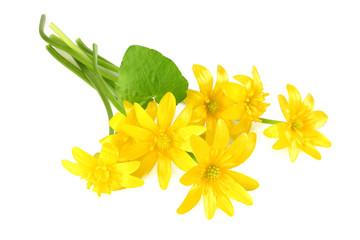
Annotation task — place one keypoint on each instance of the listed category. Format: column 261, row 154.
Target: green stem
column 80, row 56
column 68, row 64
column 269, row 121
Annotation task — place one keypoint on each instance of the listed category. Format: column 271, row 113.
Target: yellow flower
column 212, row 178
column 104, row 170
column 299, row 130
column 165, row 142
column 249, row 98
column 209, row 104
column 129, row 148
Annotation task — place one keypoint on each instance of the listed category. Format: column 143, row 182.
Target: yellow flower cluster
column 148, row 137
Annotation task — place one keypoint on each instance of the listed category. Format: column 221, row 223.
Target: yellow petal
column 115, row 139
column 125, row 168
column 239, row 150
column 188, row 131
column 234, row 112
column 192, row 176
column 209, row 202
column 222, row 77
column 311, row 150
column 147, row 163
column 308, row 104
column 244, row 125
column 234, row 190
column 316, row 120
column 73, row 168
column 191, row 199
column 284, row 105
column 83, row 158
column 235, row 91
column 109, row 154
column 199, row 115
column 276, row 131
column 130, row 113
column 221, row 139
column 166, row 111
column 144, row 119
column 194, row 98
column 243, row 79
column 152, row 109
column 182, row 160
column 319, row 139
column 183, row 119
column 282, row 142
column 138, row 132
column 200, row 148
column 256, row 80
column 131, row 151
column 129, row 181
column 246, row 182
column 224, row 203
column 117, row 121
column 293, row 150
column 204, row 78
column 164, row 171
column 294, row 98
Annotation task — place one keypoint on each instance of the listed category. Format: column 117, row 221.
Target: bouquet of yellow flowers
column 144, row 133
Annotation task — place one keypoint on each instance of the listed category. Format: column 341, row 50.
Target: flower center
column 297, row 124
column 212, row 106
column 212, row 173
column 102, row 174
column 164, row 141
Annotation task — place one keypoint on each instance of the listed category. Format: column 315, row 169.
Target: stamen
column 212, row 173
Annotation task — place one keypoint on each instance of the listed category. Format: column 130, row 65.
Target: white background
column 46, row 110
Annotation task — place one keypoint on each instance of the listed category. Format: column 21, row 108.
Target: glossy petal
column 282, row 142
column 244, row 125
column 239, row 150
column 194, row 98
column 192, row 176
column 73, row 168
column 221, row 139
column 233, row 112
column 308, row 104
column 125, row 167
column 243, row 79
column 224, row 203
column 294, row 98
column 109, row 154
column 246, row 182
column 234, row 190
column 129, row 181
column 151, row 109
column 276, row 131
column 311, row 150
column 319, row 139
column 204, row 78
column 256, row 80
column 191, row 199
column 293, row 150
column 130, row 113
column 200, row 148
column 209, row 202
column 144, row 119
column 166, row 111
column 234, row 91
column 164, row 171
column 222, row 77
column 183, row 119
column 316, row 120
column 138, row 132
column 188, row 131
column 284, row 105
column 83, row 158
column 131, row 151
column 117, row 121
column 182, row 160
column 147, row 163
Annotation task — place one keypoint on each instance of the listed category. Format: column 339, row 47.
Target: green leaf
column 145, row 75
